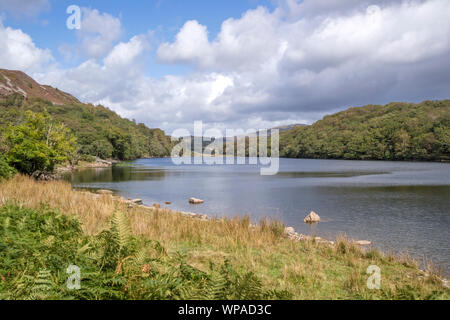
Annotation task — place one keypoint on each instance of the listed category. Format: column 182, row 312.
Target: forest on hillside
column 397, row 131
column 98, row 130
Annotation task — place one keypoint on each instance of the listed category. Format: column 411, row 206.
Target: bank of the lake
column 399, row 206
column 167, row 255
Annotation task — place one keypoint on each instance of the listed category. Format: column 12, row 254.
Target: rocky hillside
column 13, row 81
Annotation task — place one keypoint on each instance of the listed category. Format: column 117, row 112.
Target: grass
column 284, row 268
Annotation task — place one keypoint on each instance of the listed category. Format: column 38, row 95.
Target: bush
column 6, row 171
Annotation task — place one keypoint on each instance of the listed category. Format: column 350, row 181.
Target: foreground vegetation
column 397, row 131
column 134, row 253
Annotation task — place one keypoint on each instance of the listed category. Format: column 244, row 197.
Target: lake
column 399, row 206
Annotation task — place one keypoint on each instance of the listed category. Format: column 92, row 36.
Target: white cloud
column 249, row 41
column 191, row 45
column 98, row 34
column 112, row 80
column 18, row 51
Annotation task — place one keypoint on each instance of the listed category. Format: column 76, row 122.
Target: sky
column 232, row 64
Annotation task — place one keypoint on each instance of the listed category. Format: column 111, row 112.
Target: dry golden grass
column 94, row 215
column 95, row 211
column 308, row 269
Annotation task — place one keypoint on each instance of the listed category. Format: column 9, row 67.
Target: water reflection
column 115, row 174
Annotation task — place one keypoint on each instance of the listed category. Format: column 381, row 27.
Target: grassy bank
column 134, row 253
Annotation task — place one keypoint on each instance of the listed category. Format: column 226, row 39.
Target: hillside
column 99, row 131
column 397, row 131
column 13, row 81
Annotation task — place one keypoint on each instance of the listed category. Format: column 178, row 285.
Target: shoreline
column 289, row 232
column 305, row 267
column 206, row 216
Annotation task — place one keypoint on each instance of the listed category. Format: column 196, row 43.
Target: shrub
column 5, row 170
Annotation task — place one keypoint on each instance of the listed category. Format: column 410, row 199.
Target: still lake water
column 399, row 206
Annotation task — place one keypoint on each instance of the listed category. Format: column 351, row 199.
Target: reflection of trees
column 117, row 174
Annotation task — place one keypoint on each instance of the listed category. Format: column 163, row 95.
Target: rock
column 105, row 162
column 195, row 201
column 168, row 202
column 43, row 176
column 156, row 205
column 104, row 192
column 289, row 230
column 137, row 201
column 363, row 242
column 312, row 218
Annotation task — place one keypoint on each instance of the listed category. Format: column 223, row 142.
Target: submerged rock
column 312, row 217
column 195, row 201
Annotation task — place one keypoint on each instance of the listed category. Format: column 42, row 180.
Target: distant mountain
column 99, row 131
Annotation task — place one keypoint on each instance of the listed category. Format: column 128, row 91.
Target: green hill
column 397, row 131
column 99, row 131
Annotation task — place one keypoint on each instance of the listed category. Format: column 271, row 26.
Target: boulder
column 137, row 201
column 312, row 217
column 195, row 201
column 104, row 192
column 289, row 230
column 156, row 205
column 363, row 242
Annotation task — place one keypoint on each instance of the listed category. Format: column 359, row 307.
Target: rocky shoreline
column 289, row 232
column 98, row 163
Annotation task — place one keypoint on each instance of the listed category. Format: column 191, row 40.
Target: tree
column 38, row 144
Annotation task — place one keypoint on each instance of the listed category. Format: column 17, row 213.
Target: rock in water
column 137, row 201
column 312, row 218
column 168, row 202
column 195, row 201
column 363, row 242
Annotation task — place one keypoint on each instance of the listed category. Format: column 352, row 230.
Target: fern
column 114, row 264
column 43, row 285
column 122, row 229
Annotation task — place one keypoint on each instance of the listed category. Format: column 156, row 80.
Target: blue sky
column 165, row 17
column 244, row 64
